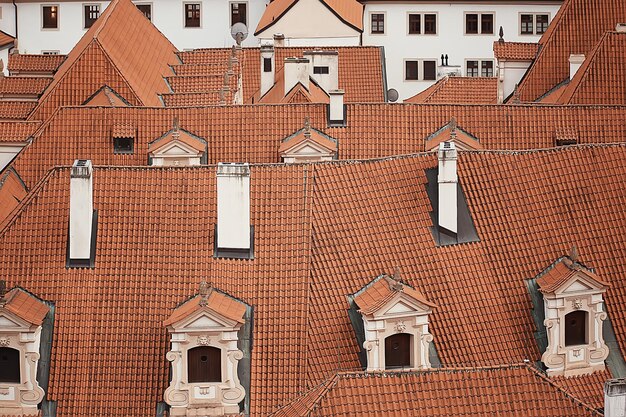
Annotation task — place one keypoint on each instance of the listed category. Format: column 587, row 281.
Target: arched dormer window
column 204, row 364
column 576, row 324
column 398, row 351
column 9, row 365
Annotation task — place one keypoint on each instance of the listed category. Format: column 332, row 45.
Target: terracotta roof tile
column 106, row 96
column 564, row 37
column 6, row 39
column 17, row 131
column 196, row 99
column 558, row 274
column 24, row 63
column 217, row 302
column 25, row 306
column 459, row 90
column 515, row 51
column 349, row 11
column 313, row 135
column 16, row 110
column 12, row 191
column 23, row 85
column 381, row 291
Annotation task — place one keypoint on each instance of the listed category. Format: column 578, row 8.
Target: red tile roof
column 17, row 131
column 459, row 90
column 16, row 110
column 25, row 306
column 558, row 274
column 24, row 63
column 349, row 12
column 23, row 85
column 6, row 39
column 12, row 191
column 217, row 302
column 382, row 290
column 197, row 99
column 135, row 73
column 512, row 390
column 575, row 29
column 515, row 51
column 339, row 225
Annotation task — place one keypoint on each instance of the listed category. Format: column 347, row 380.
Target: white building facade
column 416, row 34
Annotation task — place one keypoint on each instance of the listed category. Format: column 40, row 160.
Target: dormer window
column 204, row 364
column 574, row 315
column 123, row 145
column 308, row 145
column 177, row 147
column 398, row 351
column 9, row 365
column 123, row 138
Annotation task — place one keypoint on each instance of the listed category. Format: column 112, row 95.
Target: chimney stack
column 268, row 68
column 81, row 210
column 279, row 40
column 615, row 398
column 233, row 206
column 448, row 181
column 620, row 28
column 575, row 61
column 324, row 68
column 336, row 113
column 296, row 71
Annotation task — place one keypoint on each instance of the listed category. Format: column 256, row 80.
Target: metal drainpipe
column 15, row 5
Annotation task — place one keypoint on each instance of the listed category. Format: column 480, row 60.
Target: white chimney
column 296, row 71
column 233, row 206
column 620, row 27
column 279, row 40
column 448, row 181
column 575, row 61
column 268, row 68
column 81, row 209
column 615, row 398
column 336, row 113
column 324, row 68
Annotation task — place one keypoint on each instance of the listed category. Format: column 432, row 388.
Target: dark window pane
column 411, row 70
column 527, row 24
column 91, row 14
column 238, row 13
column 320, row 70
column 192, row 15
column 398, row 351
column 50, row 17
column 378, row 23
column 430, row 72
column 204, row 364
column 430, row 24
column 486, row 23
column 542, row 23
column 472, row 69
column 486, row 69
column 9, row 365
column 123, row 145
column 471, row 23
column 146, row 9
column 576, row 328
column 267, row 64
column 415, row 24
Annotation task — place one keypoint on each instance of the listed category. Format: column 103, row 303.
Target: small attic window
column 123, row 145
column 565, row 142
column 267, row 64
column 320, row 70
column 398, row 351
column 10, row 365
column 204, row 364
column 576, row 328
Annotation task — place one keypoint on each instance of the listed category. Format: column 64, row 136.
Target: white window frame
column 480, row 26
column 369, row 22
column 185, row 15
column 58, row 6
column 480, row 66
column 146, row 3
column 422, row 24
column 534, row 15
column 420, row 68
column 83, row 12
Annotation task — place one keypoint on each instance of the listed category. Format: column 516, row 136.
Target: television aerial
column 392, row 95
column 239, row 32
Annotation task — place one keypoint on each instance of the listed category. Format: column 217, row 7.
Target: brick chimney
column 81, row 211
column 233, row 206
column 615, row 398
column 268, row 68
column 448, row 182
column 296, row 71
column 575, row 61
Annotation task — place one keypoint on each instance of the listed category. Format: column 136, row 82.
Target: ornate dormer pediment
column 308, row 145
column 177, row 147
column 451, row 132
column 10, row 322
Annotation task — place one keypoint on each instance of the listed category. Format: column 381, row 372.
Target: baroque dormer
column 177, row 147
column 452, row 132
column 395, row 323
column 308, row 145
column 574, row 315
column 21, row 319
column 205, row 355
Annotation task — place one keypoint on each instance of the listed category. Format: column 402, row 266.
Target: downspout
column 15, row 5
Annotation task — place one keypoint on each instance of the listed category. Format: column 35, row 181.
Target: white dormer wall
column 575, row 62
column 233, row 206
column 267, row 77
column 510, row 73
column 448, row 184
column 296, row 70
column 307, row 152
column 327, row 59
column 81, row 209
column 176, row 153
column 23, row 398
column 578, row 294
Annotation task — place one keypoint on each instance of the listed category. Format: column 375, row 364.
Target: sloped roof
column 602, row 77
column 349, row 12
column 576, row 29
column 216, row 301
column 379, row 292
column 12, row 191
column 106, row 96
column 459, row 90
column 17, row 131
column 123, row 50
column 6, row 39
column 177, row 134
column 298, row 93
column 16, row 110
column 34, row 63
column 25, row 306
column 307, row 134
column 451, row 132
column 512, row 390
column 322, row 232
column 561, row 271
column 515, row 51
column 23, row 85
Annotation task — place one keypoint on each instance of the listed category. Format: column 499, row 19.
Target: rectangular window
column 430, row 24
column 526, row 25
column 479, row 23
column 50, row 52
column 486, row 68
column 415, row 24
column 238, row 13
column 91, row 13
column 471, row 23
column 378, row 23
column 430, row 70
column 50, row 17
column 192, row 15
column 320, row 70
column 472, row 69
column 267, row 64
column 486, row 23
column 542, row 23
column 146, row 9
column 123, row 145
column 411, row 72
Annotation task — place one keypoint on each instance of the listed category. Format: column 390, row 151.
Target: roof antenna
column 204, row 293
column 501, row 35
column 573, row 253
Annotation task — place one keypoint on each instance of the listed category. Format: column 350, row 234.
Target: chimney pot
column 233, row 206
column 615, row 398
column 575, row 61
column 81, row 209
column 279, row 40
column 448, row 182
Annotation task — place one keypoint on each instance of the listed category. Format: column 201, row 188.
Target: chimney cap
column 620, row 27
column 81, row 169
column 577, row 58
column 233, row 169
column 447, row 151
column 292, row 59
column 615, row 387
column 279, row 36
